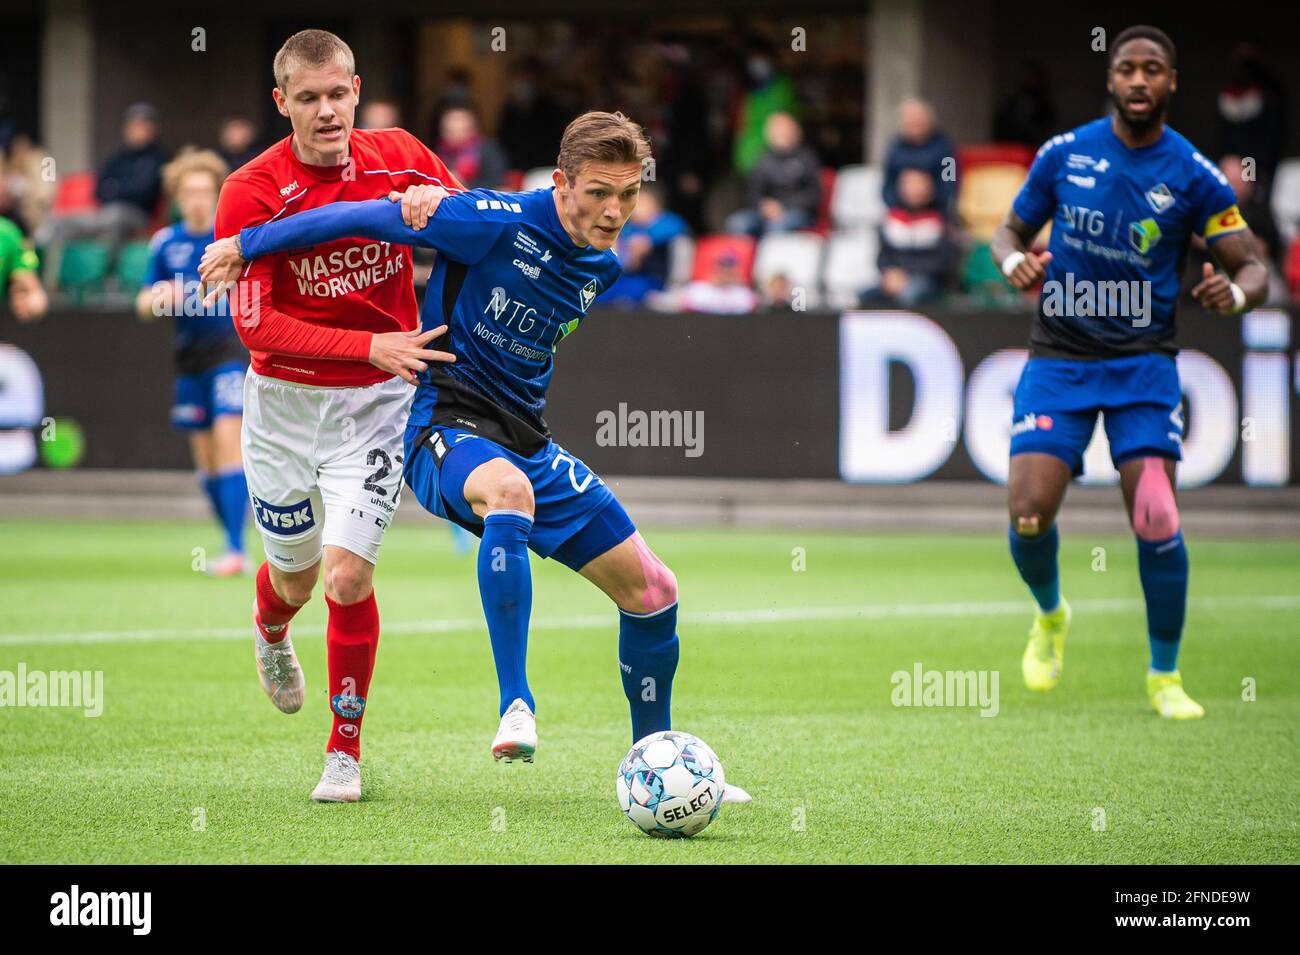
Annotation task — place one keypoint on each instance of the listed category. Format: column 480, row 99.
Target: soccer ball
column 670, row 784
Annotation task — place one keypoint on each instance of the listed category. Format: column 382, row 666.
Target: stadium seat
column 984, row 195
column 1293, row 269
column 797, row 256
column 856, row 202
column 681, row 260
column 132, row 263
column 983, row 280
column 850, row 266
column 1286, row 198
column 823, row 226
column 709, row 248
column 83, row 268
column 537, row 178
column 76, row 193
column 514, row 180
column 987, row 154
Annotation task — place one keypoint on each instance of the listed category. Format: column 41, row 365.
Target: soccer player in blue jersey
column 1124, row 194
column 210, row 360
column 515, row 275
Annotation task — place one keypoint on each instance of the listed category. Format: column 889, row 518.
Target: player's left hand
column 419, row 203
column 220, row 267
column 1214, row 291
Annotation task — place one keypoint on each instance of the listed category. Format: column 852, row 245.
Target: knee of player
column 348, row 582
column 660, row 590
column 1029, row 521
column 1155, row 515
column 512, row 492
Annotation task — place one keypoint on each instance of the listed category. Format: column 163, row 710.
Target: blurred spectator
column 767, row 93
column 476, row 159
column 1252, row 114
column 127, row 187
column 531, row 122
column 237, row 141
column 645, row 249
column 1027, row 116
column 785, row 186
column 920, row 145
column 27, row 185
column 379, row 114
column 726, row 293
column 457, row 93
column 20, row 274
column 916, row 251
column 778, row 294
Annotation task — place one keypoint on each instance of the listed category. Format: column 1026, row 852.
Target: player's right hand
column 220, row 267
column 404, row 353
column 1031, row 271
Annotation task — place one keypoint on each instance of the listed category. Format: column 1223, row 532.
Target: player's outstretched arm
column 1237, row 253
column 1010, row 250
column 379, row 219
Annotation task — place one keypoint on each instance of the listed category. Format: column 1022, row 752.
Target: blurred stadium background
column 904, row 129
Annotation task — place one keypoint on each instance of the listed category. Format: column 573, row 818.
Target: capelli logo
column 103, row 908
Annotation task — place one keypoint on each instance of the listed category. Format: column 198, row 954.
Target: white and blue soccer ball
column 670, row 784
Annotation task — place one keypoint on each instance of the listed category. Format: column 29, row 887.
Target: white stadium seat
column 681, row 261
column 797, row 256
column 850, row 266
column 856, row 201
column 1286, row 198
column 537, row 178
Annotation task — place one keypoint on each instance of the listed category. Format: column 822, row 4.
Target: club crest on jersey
column 290, row 519
column 587, row 294
column 347, row 706
column 1160, row 198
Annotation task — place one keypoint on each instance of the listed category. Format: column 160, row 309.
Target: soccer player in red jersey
column 322, row 434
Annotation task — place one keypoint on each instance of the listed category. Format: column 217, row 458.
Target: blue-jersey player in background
column 1124, row 194
column 210, row 360
column 517, row 273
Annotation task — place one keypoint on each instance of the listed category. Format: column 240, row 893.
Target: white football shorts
column 324, row 465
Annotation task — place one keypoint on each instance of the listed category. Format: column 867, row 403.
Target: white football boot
column 733, row 793
column 278, row 670
column 341, row 780
column 517, row 735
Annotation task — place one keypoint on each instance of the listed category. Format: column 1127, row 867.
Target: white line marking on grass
column 728, row 618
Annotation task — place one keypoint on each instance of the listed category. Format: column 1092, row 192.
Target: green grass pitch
column 786, row 672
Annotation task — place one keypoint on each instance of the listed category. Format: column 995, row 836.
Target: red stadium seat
column 514, row 180
column 823, row 226
column 709, row 248
column 984, row 154
column 76, row 193
column 1293, row 269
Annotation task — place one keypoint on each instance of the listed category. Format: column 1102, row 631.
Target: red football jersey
column 307, row 315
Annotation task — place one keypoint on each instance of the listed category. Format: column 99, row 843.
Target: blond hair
column 601, row 137
column 190, row 160
column 311, row 48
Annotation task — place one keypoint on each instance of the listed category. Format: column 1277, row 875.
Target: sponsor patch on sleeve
column 1221, row 223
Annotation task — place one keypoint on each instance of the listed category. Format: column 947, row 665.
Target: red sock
column 351, row 638
column 273, row 614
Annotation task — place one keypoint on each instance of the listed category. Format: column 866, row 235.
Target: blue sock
column 1035, row 558
column 505, row 584
column 232, row 495
column 1162, row 566
column 647, row 660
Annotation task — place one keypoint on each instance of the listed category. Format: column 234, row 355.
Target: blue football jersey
column 205, row 336
column 509, row 283
column 1118, row 215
